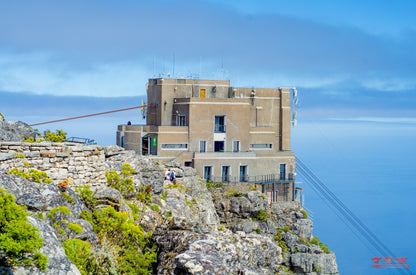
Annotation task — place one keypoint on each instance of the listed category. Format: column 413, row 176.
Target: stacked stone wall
column 62, row 161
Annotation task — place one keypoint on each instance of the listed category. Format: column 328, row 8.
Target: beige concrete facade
column 228, row 134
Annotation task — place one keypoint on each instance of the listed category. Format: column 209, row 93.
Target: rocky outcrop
column 15, row 130
column 197, row 230
column 58, row 262
column 185, row 252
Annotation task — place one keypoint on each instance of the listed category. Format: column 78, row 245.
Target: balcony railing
column 261, row 179
column 219, row 128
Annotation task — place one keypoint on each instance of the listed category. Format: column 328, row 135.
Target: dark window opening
column 243, row 173
column 219, row 146
column 282, row 171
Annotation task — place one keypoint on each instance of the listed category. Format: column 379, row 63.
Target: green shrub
column 19, row 240
column 64, row 209
column 85, row 194
column 169, row 214
column 258, row 231
column 262, row 215
column 145, row 194
column 59, row 136
column 68, row 198
column 75, row 227
column 213, row 185
column 324, row 247
column 33, row 175
column 305, row 215
column 61, row 231
column 18, row 155
column 136, row 253
column 155, row 207
column 79, row 253
column 121, row 181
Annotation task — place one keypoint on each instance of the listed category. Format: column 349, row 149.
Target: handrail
column 259, row 179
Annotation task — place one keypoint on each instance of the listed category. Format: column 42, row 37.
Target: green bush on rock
column 19, row 240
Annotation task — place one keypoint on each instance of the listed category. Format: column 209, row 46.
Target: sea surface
column 370, row 166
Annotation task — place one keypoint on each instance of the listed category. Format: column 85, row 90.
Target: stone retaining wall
column 62, row 161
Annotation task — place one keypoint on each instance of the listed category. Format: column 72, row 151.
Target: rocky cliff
column 184, row 227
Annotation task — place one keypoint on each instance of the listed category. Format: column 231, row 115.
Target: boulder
column 58, row 262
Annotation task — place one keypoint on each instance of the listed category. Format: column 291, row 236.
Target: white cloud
column 400, row 120
column 44, row 74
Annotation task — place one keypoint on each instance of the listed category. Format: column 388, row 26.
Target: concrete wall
column 61, row 161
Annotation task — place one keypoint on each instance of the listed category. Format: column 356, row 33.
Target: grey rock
column 305, row 263
column 14, row 130
column 6, row 156
column 58, row 262
column 303, row 228
column 113, row 150
column 39, row 197
column 107, row 196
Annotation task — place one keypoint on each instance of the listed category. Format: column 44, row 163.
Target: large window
column 282, row 171
column 219, row 124
column 180, row 146
column 236, row 146
column 225, row 173
column 202, row 146
column 243, row 173
column 208, row 173
column 219, row 146
column 261, row 146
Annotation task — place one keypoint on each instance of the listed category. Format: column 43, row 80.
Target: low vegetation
column 32, row 175
column 121, row 181
column 19, row 240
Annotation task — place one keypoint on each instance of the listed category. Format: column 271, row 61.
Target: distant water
column 371, row 168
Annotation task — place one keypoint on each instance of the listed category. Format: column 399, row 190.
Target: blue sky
column 353, row 63
column 349, row 59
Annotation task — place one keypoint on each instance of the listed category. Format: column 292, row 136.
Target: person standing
column 167, row 174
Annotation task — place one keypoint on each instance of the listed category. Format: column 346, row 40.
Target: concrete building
column 228, row 134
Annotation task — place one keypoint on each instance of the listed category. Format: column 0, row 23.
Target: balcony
column 219, row 128
column 260, row 179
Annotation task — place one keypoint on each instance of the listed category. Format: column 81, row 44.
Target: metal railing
column 219, row 128
column 260, row 179
column 84, row 141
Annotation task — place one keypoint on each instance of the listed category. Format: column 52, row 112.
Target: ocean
column 370, row 166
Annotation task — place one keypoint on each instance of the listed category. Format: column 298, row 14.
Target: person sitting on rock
column 167, row 174
column 172, row 176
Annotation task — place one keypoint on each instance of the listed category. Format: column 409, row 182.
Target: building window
column 243, row 173
column 208, row 173
column 181, row 120
column 202, row 93
column 225, row 173
column 219, row 146
column 202, row 146
column 261, row 146
column 219, row 124
column 122, row 141
column 282, row 171
column 179, row 146
column 236, row 146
